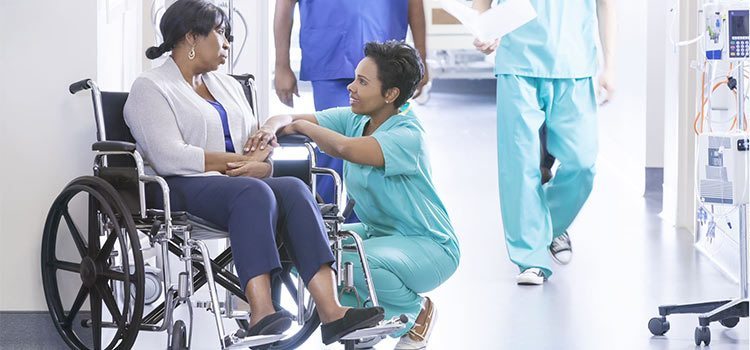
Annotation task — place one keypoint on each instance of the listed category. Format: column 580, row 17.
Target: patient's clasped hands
column 257, row 150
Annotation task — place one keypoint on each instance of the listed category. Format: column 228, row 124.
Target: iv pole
column 230, row 58
column 726, row 312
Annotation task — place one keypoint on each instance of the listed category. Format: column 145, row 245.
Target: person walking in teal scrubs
column 408, row 237
column 544, row 73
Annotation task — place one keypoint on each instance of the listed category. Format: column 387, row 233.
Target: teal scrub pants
column 533, row 214
column 401, row 268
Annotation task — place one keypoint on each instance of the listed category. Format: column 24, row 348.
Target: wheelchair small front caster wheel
column 153, row 288
column 730, row 322
column 702, row 335
column 179, row 336
column 658, row 325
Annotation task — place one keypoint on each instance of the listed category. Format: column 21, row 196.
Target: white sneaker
column 419, row 335
column 531, row 277
column 561, row 249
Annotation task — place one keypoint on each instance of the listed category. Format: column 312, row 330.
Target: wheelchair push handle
column 80, row 85
column 293, row 140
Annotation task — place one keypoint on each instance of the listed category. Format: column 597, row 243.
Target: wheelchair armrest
column 294, row 140
column 113, row 146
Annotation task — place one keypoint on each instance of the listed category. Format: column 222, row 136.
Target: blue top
column 559, row 43
column 333, row 33
column 399, row 198
column 224, row 125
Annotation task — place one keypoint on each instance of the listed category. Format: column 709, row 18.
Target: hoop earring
column 191, row 54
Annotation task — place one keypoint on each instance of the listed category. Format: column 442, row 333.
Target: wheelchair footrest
column 257, row 340
column 384, row 328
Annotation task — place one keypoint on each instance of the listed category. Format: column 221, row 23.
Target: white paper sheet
column 495, row 22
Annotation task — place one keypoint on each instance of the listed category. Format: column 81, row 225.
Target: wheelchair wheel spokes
column 83, row 293
column 75, row 233
column 108, row 298
column 111, row 325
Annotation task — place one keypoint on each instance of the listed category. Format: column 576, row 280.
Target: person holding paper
column 545, row 73
column 333, row 34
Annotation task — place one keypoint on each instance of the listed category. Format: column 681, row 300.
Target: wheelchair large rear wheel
column 90, row 262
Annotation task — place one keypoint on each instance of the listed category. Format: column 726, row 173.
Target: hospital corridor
column 374, row 174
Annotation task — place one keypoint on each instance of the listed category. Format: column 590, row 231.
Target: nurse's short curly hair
column 399, row 65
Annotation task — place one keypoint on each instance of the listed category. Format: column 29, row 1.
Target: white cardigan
column 173, row 126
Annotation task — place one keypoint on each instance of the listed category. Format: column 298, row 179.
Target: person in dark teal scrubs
column 409, row 240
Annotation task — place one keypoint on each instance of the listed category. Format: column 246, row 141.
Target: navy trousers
column 254, row 211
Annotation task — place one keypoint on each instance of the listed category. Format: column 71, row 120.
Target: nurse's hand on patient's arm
column 249, row 168
column 285, row 84
column 260, row 139
column 486, row 47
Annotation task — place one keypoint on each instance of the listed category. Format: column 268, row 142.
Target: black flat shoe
column 354, row 319
column 273, row 324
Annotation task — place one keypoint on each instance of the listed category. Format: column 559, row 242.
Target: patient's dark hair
column 185, row 16
column 399, row 65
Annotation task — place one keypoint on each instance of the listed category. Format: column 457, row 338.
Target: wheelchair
column 121, row 249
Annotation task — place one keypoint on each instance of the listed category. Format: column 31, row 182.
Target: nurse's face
column 365, row 95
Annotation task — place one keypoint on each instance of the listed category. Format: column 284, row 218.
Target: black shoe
column 354, row 319
column 273, row 324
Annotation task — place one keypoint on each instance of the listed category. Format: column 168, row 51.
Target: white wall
column 119, row 41
column 45, row 134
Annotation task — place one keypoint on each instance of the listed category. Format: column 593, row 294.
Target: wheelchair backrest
column 248, row 86
column 115, row 128
column 120, row 170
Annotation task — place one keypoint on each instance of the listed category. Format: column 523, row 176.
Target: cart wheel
column 179, row 336
column 69, row 252
column 702, row 335
column 658, row 325
column 730, row 322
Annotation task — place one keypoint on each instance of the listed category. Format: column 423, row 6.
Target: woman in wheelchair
column 188, row 121
column 410, row 243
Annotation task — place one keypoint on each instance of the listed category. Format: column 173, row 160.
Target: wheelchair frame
column 116, row 215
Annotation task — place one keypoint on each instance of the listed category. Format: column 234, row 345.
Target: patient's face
column 212, row 50
column 365, row 96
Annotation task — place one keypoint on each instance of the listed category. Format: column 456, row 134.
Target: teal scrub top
column 400, row 198
column 559, row 44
